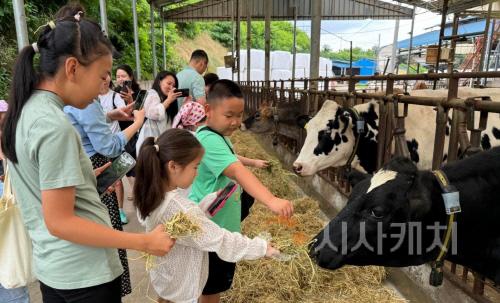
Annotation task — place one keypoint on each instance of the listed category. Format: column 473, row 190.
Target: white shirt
column 108, row 104
column 181, row 275
column 157, row 121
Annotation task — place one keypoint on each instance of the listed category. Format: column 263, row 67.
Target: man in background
column 191, row 77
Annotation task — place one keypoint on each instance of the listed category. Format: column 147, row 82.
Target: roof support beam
column 267, row 46
column 136, row 41
column 315, row 42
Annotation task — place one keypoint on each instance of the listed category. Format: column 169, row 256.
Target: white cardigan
column 180, row 275
column 156, row 118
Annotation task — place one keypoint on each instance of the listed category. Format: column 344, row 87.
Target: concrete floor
column 138, row 275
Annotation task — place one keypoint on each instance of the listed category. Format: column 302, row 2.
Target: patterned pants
column 111, row 203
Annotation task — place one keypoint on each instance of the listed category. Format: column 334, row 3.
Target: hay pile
column 295, row 279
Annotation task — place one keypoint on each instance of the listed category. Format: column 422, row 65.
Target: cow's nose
column 297, row 168
column 313, row 252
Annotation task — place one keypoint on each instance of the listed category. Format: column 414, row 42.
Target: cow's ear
column 302, row 120
column 355, row 177
column 419, row 199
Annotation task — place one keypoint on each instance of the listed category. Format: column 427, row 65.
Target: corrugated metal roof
column 454, row 6
column 433, row 36
column 209, row 10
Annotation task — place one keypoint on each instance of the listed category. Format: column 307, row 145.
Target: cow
column 399, row 198
column 263, row 120
column 320, row 152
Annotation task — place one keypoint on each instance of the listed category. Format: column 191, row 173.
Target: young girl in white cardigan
column 164, row 168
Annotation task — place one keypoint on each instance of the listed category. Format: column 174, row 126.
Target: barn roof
column 429, row 38
column 210, row 10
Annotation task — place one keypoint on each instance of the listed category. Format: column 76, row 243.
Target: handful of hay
column 295, row 279
column 179, row 226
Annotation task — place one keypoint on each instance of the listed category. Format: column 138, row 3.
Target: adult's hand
column 99, row 170
column 122, row 114
column 127, row 96
column 171, row 97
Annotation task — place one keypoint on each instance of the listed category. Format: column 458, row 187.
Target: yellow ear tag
column 305, row 126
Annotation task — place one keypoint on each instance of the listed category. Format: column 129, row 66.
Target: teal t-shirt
column 50, row 156
column 189, row 78
column 210, row 178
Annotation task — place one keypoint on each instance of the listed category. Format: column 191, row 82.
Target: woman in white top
column 160, row 106
column 164, row 167
column 110, row 100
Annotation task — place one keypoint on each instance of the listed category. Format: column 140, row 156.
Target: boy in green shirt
column 220, row 165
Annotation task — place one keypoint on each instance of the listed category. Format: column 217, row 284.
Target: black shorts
column 220, row 275
column 108, row 292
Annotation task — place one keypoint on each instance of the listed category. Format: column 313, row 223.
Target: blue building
column 363, row 67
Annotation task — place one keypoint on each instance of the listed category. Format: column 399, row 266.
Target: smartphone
column 120, row 166
column 221, row 198
column 184, row 91
column 139, row 101
column 126, row 86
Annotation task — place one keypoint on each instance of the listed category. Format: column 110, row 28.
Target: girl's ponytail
column 23, row 83
column 150, row 178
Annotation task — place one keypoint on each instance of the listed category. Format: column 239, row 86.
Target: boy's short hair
column 223, row 89
column 210, row 79
column 199, row 54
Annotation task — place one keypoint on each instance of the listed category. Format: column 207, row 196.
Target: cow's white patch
column 381, row 177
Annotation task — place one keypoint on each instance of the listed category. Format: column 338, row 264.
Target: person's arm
column 253, row 162
column 237, row 171
column 153, row 106
column 198, row 90
column 130, row 131
column 61, row 221
column 171, row 98
column 229, row 246
column 93, row 122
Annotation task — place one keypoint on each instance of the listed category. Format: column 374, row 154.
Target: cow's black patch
column 370, row 117
column 485, row 142
column 496, row 133
column 445, row 157
column 413, row 149
column 367, row 149
column 325, row 141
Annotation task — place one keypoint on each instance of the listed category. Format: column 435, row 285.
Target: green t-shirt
column 210, row 178
column 50, row 156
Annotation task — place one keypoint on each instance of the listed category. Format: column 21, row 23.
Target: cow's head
column 379, row 207
column 331, row 139
column 265, row 118
column 261, row 121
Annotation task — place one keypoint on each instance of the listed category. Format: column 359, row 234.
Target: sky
column 365, row 33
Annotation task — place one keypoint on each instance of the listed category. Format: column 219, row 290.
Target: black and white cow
column 321, row 151
column 400, row 197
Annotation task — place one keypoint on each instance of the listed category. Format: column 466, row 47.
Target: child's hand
column 158, row 242
column 281, row 207
column 271, row 251
column 260, row 163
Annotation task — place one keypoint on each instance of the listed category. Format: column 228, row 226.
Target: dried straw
column 179, row 226
column 296, row 279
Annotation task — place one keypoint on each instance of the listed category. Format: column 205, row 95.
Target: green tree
column 344, row 54
column 281, row 35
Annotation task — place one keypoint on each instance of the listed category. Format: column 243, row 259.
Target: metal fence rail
column 393, row 109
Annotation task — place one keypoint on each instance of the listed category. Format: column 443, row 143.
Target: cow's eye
column 377, row 212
